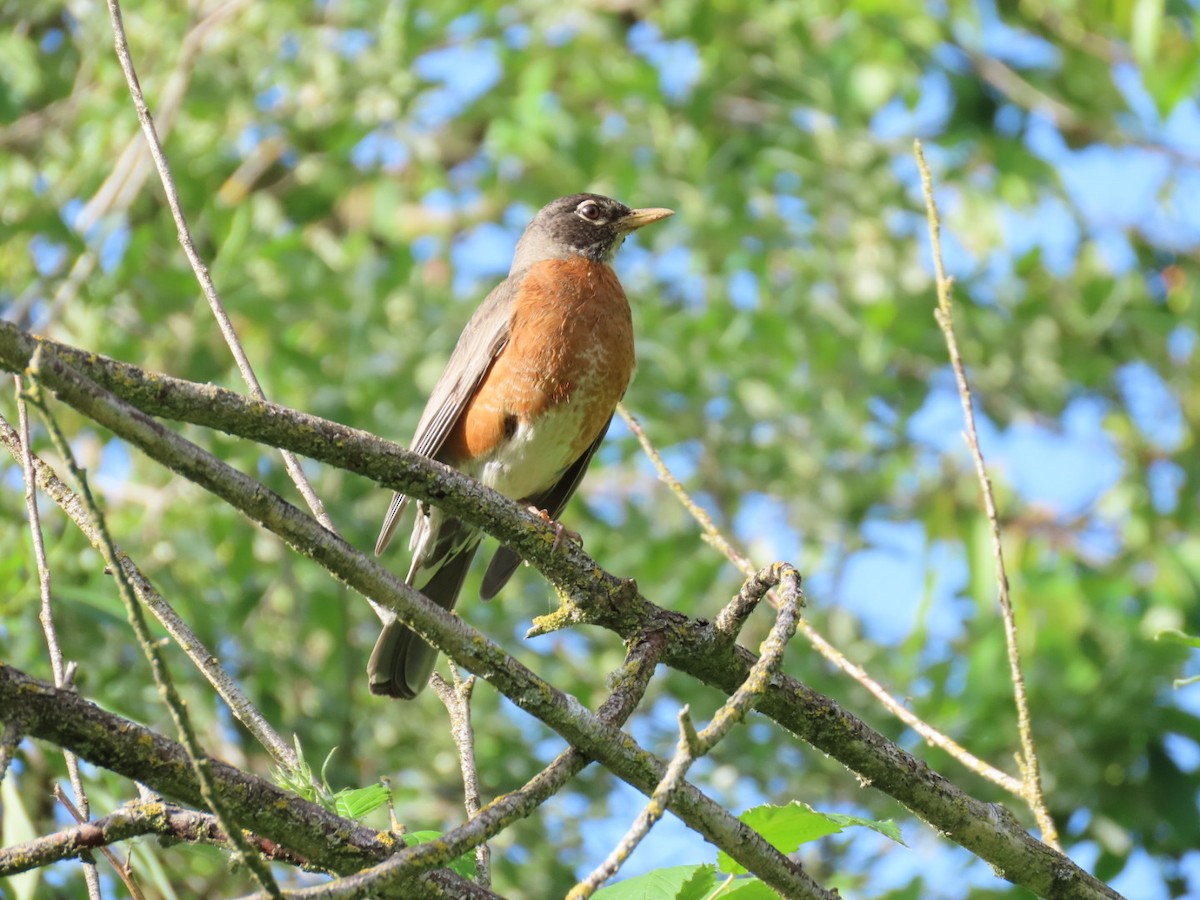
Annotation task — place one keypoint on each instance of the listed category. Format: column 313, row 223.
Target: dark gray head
column 586, row 225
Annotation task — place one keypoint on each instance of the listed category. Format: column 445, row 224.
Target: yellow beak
column 639, row 218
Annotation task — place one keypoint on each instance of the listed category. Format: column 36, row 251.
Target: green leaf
column 787, row 827
column 1145, row 28
column 464, row 865
column 676, row 883
column 354, row 803
column 887, row 827
column 749, row 889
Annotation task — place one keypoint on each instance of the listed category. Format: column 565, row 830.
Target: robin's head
column 586, row 225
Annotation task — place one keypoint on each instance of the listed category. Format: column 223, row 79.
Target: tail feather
column 500, row 569
column 402, row 662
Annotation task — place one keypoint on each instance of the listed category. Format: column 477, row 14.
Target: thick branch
column 695, row 648
column 103, row 739
column 328, row 841
column 628, row 688
column 131, row 820
column 608, row 745
column 347, row 448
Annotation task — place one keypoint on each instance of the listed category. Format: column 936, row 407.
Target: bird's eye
column 589, row 210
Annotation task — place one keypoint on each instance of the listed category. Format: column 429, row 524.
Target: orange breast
column 571, row 342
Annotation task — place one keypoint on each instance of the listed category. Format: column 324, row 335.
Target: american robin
column 524, row 402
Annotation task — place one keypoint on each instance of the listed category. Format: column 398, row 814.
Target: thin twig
column 150, row 648
column 1028, row 760
column 456, row 698
column 133, row 819
column 820, row 643
column 693, row 745
column 124, row 872
column 128, row 174
column 46, row 617
column 628, row 685
column 712, row 534
column 291, row 463
column 209, row 666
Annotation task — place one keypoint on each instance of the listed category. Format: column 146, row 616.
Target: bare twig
column 209, row 666
column 712, row 534
column 896, row 707
column 291, row 463
column 46, row 617
column 151, row 650
column 1028, row 760
column 132, row 166
column 136, row 818
column 1008, row 82
column 456, row 698
column 124, row 872
column 693, row 745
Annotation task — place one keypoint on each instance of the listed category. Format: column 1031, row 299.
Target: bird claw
column 561, row 531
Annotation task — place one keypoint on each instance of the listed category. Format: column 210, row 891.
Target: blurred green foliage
column 352, row 172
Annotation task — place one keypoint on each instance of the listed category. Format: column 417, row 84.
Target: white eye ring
column 589, row 210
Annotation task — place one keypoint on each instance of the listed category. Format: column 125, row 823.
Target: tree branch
column 456, row 698
column 209, row 666
column 153, row 653
column 628, row 687
column 944, row 314
column 695, row 647
column 189, row 249
column 693, row 745
column 730, row 619
column 46, row 615
column 327, row 841
column 467, row 646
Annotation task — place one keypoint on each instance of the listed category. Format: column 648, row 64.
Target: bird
column 525, row 399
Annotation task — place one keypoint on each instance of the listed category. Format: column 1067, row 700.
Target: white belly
column 535, row 457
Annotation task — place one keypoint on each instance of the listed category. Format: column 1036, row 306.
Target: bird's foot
column 561, row 531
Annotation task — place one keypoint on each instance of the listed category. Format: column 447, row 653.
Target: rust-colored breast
column 571, row 342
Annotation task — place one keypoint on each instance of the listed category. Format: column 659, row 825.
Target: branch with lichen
column 467, row 646
column 695, row 647
column 134, row 819
column 628, row 687
column 695, row 744
column 152, row 651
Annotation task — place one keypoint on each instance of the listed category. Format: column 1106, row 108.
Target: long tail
column 401, row 662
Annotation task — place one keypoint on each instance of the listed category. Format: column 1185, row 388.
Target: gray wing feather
column 553, row 500
column 480, row 343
